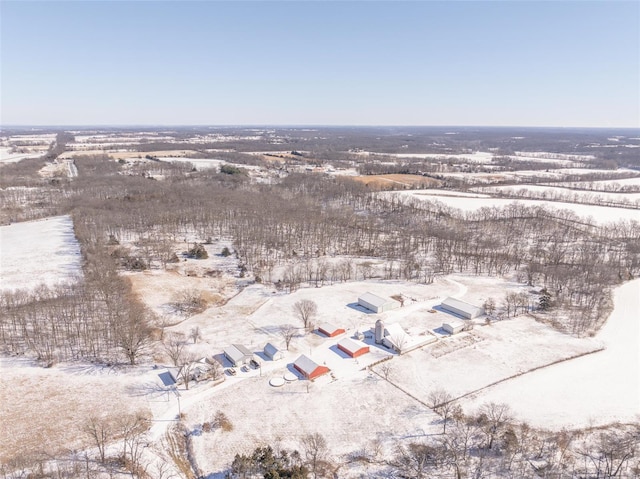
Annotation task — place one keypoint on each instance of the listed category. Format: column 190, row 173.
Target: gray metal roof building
column 238, row 354
column 465, row 310
column 376, row 303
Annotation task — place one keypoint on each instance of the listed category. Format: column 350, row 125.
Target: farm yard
column 145, row 297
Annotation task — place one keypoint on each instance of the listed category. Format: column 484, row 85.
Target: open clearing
column 23, row 245
column 43, row 410
column 593, row 390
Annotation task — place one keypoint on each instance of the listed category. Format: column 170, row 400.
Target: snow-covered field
column 7, row 157
column 566, row 194
column 523, row 176
column 24, row 245
column 592, row 390
column 599, row 214
column 198, row 163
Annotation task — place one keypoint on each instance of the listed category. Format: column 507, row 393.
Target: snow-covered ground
column 523, row 176
column 7, row 157
column 599, row 214
column 566, row 194
column 199, row 163
column 24, row 245
column 592, row 390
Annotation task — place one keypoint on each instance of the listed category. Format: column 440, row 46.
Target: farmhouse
column 352, row 348
column 376, row 303
column 453, row 327
column 397, row 339
column 309, row 368
column 238, row 354
column 330, row 330
column 460, row 308
column 272, row 352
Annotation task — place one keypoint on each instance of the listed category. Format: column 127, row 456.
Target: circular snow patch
column 290, row 377
column 277, row 382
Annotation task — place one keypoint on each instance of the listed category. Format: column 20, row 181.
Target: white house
column 272, row 352
column 402, row 342
column 460, row 308
column 377, row 304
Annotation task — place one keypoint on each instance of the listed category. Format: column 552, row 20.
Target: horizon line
column 302, row 125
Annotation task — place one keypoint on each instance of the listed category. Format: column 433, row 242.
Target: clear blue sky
column 513, row 63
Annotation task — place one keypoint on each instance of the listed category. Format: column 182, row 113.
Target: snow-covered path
column 592, row 390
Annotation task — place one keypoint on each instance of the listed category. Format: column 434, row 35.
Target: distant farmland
column 384, row 182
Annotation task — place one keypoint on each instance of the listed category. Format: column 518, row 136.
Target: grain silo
column 379, row 331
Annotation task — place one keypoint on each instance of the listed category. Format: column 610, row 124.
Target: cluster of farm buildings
column 391, row 337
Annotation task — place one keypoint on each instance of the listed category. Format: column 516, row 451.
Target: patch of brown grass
column 42, row 411
column 397, row 181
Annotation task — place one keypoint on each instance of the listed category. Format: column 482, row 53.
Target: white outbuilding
column 272, row 352
column 460, row 308
column 453, row 327
column 376, row 303
column 238, row 355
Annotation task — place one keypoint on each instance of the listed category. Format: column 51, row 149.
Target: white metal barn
column 238, row 354
column 377, row 304
column 453, row 327
column 272, row 352
column 465, row 310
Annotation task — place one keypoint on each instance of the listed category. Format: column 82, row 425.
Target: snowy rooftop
column 306, row 364
column 374, row 299
column 462, row 306
column 237, row 352
column 351, row 345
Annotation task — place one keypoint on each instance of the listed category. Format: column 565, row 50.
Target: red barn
column 352, row 348
column 309, row 368
column 330, row 330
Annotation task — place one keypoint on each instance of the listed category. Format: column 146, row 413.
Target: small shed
column 330, row 330
column 453, row 327
column 460, row 308
column 376, row 303
column 272, row 352
column 352, row 348
column 309, row 368
column 238, row 354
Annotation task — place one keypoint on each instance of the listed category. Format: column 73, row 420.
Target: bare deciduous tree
column 288, row 332
column 174, row 345
column 306, row 310
column 101, row 432
column 195, row 334
column 315, row 451
column 442, row 403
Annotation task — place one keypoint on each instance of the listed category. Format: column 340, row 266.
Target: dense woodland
column 320, row 230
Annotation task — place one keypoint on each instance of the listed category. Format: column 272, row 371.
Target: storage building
column 352, row 348
column 330, row 330
column 453, row 327
column 465, row 310
column 309, row 368
column 238, row 354
column 377, row 304
column 272, row 352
